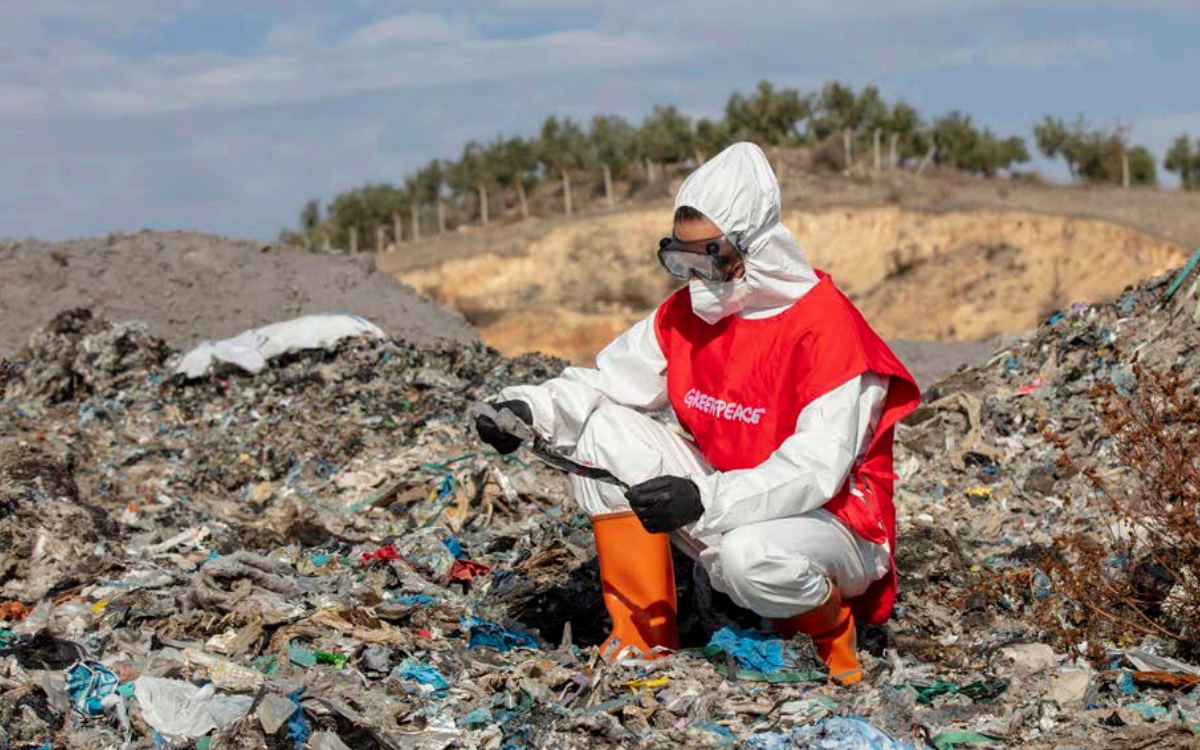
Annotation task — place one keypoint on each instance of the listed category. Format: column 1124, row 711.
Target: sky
column 225, row 117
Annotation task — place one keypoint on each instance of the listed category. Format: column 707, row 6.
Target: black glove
column 503, row 442
column 665, row 503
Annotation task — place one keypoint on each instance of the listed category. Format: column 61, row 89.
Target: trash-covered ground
column 322, row 556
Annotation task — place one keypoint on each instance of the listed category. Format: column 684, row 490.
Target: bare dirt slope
column 940, row 276
column 190, row 286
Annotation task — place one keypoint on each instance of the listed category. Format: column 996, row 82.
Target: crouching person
column 782, row 485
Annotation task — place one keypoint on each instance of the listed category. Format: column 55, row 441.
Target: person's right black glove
column 490, row 433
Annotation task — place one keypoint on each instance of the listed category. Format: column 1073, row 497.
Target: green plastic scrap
column 267, row 664
column 749, row 675
column 979, row 692
column 301, row 656
column 329, row 657
column 6, row 637
column 1183, row 275
column 1149, row 711
column 951, row 740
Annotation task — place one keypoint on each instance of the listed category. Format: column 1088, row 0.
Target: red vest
column 738, row 387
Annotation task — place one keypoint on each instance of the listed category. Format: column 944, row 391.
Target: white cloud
column 402, row 51
column 1072, row 51
column 409, row 28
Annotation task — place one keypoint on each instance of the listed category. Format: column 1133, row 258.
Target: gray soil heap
column 189, row 286
column 323, row 556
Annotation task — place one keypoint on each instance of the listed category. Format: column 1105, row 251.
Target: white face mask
column 714, row 300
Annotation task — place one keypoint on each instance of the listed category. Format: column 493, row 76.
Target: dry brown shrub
column 1138, row 574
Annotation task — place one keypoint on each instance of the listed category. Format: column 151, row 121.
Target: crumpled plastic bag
column 180, row 710
column 250, row 350
column 843, row 733
column 250, row 584
column 88, row 684
column 488, row 634
column 760, row 652
column 427, row 675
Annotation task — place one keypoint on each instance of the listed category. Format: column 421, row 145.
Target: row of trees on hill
column 1183, row 159
column 568, row 160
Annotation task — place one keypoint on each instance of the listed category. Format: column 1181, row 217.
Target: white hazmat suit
column 763, row 538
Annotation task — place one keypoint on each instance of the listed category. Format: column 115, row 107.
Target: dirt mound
column 188, row 287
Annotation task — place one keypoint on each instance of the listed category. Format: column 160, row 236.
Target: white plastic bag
column 252, row 349
column 179, row 710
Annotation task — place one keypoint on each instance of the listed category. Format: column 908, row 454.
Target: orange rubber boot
column 639, row 584
column 831, row 627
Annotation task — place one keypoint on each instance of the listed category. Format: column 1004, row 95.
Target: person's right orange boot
column 639, row 585
column 831, row 627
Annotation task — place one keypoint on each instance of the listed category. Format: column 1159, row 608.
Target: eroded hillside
column 916, row 274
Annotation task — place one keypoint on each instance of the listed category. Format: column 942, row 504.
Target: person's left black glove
column 665, row 503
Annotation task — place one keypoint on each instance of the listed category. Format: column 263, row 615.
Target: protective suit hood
column 738, row 191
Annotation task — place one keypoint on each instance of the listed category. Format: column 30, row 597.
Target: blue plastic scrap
column 723, row 733
column 845, row 733
column 759, row 652
column 455, row 548
column 414, row 669
column 1125, row 683
column 488, row 634
column 297, row 726
column 414, row 600
column 88, row 684
column 769, row 741
column 480, row 717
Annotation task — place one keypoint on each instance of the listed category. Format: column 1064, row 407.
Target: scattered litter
column 952, row 740
column 412, row 669
column 321, row 555
column 485, row 634
column 181, row 710
column 845, row 733
column 89, row 684
column 756, row 651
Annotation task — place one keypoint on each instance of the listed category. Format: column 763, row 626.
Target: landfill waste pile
column 321, row 555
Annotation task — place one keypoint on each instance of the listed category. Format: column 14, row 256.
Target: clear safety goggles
column 708, row 259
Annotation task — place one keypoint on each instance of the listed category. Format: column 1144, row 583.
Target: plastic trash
column 487, row 634
column 845, row 733
column 455, row 548
column 760, row 652
column 44, row 651
column 425, row 674
column 88, row 684
column 181, row 710
column 467, row 570
column 769, row 741
column 252, row 349
column 386, row 553
column 326, row 741
column 274, row 711
column 951, row 740
column 297, row 726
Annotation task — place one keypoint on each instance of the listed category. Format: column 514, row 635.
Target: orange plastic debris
column 14, row 611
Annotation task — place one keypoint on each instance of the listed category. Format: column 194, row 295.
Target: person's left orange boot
column 831, row 627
